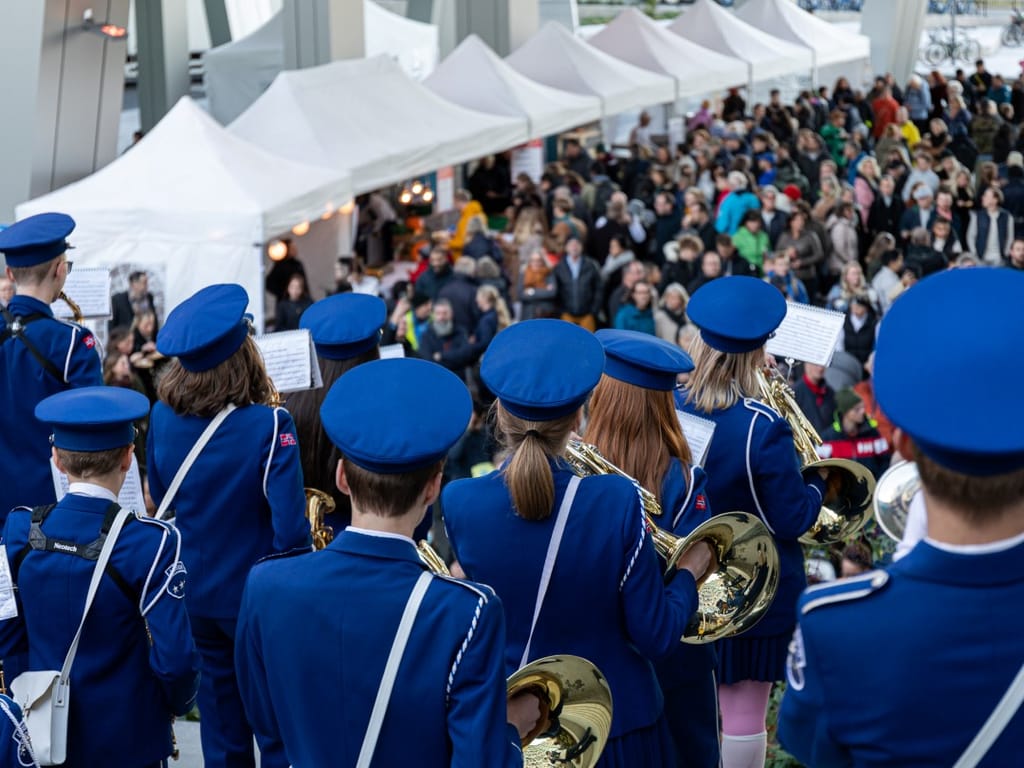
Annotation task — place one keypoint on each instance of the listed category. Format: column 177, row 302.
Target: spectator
column 980, row 81
column 842, row 230
column 280, row 273
column 697, row 222
column 910, row 133
column 636, row 313
column 616, row 222
column 480, row 243
column 439, row 274
column 468, row 209
column 460, row 292
column 851, row 285
column 1013, row 190
column 632, row 273
column 682, row 260
column 804, row 249
column 945, row 247
column 711, row 268
column 999, row 91
column 7, row 291
column 922, row 214
column 779, row 274
column 886, row 208
column 578, row 279
column 834, row 135
column 408, row 322
column 1016, row 259
column 856, row 560
column 576, row 159
column 865, row 186
column 125, row 305
column 666, row 225
column 297, row 300
column 444, row 342
column 738, row 201
column 885, row 108
column 494, row 318
column 619, row 257
column 887, row 277
column 922, row 173
column 537, row 291
column 774, row 219
column 671, row 312
column 641, row 134
column 751, row 243
column 859, row 328
column 852, row 436
column 815, row 397
column 991, row 229
column 984, row 127
column 918, row 102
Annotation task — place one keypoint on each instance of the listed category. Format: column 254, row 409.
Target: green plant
column 777, row 757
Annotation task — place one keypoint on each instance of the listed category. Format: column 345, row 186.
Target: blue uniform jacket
column 241, row 501
column 15, row 749
column 902, row 668
column 314, row 635
column 606, row 600
column 125, row 688
column 685, row 506
column 753, row 467
column 24, row 441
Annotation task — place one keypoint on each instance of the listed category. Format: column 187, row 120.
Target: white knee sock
column 744, row 751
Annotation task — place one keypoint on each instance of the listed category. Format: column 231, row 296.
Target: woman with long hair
column 753, row 467
column 240, row 500
column 346, row 332
column 633, row 424
column 603, row 598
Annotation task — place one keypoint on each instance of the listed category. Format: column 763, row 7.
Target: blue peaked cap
column 93, row 418
column 207, row 328
column 736, row 314
column 542, row 369
column 345, row 325
column 398, row 415
column 953, row 387
column 642, row 360
column 36, row 240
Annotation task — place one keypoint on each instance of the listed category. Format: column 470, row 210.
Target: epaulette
column 480, row 590
column 842, row 590
column 758, row 407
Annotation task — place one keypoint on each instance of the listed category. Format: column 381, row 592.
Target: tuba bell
column 847, row 513
column 318, row 506
column 896, row 488
column 576, row 711
column 738, row 592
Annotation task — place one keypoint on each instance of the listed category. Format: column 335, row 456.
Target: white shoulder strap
column 97, row 574
column 190, row 459
column 996, row 723
column 387, row 682
column 549, row 560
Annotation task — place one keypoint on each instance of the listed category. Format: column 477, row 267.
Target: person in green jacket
column 751, row 243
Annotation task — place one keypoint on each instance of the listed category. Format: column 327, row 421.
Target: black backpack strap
column 16, row 329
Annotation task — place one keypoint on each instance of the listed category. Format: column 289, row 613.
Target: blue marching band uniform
column 303, row 647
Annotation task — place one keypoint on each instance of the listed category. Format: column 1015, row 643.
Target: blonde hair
column 721, row 379
column 491, row 294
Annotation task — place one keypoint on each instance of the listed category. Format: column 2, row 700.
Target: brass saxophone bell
column 318, row 506
column 576, row 711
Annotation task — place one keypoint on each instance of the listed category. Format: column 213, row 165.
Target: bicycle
column 940, row 49
column 1013, row 34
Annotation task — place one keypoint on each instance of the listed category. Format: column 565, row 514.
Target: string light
column 300, row 229
column 277, row 250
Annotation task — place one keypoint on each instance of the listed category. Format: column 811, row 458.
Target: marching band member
column 752, row 467
column 335, row 659
column 239, row 499
column 15, row 745
column 136, row 665
column 570, row 558
column 633, row 423
column 346, row 333
column 945, row 685
column 39, row 355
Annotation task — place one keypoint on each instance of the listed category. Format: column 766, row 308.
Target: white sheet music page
column 89, row 288
column 698, row 433
column 290, row 359
column 130, row 497
column 808, row 334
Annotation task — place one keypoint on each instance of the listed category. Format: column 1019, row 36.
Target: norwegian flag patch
column 287, row 438
column 89, row 340
column 701, row 503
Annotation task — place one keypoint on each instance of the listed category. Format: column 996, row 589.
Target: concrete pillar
column 62, row 91
column 320, row 31
column 895, row 28
column 162, row 29
column 217, row 22
column 503, row 24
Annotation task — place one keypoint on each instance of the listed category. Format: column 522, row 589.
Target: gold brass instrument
column 76, row 311
column 738, row 592
column 576, row 711
column 847, row 513
column 318, row 506
column 893, row 494
column 431, row 559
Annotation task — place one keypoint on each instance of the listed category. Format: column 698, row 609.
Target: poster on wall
column 445, row 188
column 528, row 159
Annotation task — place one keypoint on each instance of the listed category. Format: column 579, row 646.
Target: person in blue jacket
column 604, row 598
column 39, row 354
column 320, row 635
column 15, row 744
column 240, row 500
column 137, row 666
column 633, row 422
column 752, row 467
column 921, row 664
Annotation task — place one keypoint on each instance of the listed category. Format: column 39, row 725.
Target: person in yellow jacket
column 467, row 208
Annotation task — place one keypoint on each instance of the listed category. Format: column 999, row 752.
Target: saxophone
column 76, row 311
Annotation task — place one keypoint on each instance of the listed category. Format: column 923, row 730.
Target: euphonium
column 847, row 513
column 318, row 506
column 736, row 594
column 576, row 711
column 893, row 494
column 76, row 311
column 430, row 558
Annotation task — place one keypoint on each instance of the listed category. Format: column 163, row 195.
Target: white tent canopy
column 238, row 72
column 474, row 76
column 555, row 57
column 194, row 200
column 707, row 23
column 368, row 117
column 785, row 20
column 635, row 38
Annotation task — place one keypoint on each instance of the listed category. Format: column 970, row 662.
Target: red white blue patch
column 701, row 503
column 89, row 340
column 287, row 438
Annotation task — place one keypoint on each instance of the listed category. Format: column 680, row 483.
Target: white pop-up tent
column 368, row 117
column 829, row 45
column 635, row 38
column 477, row 78
column 708, row 24
column 194, row 200
column 556, row 57
column 237, row 73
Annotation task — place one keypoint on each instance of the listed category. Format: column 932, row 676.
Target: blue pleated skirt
column 752, row 658
column 649, row 747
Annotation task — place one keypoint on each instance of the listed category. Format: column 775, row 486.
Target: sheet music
column 698, row 433
column 808, row 334
column 130, row 497
column 89, row 288
column 290, row 359
column 389, row 351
